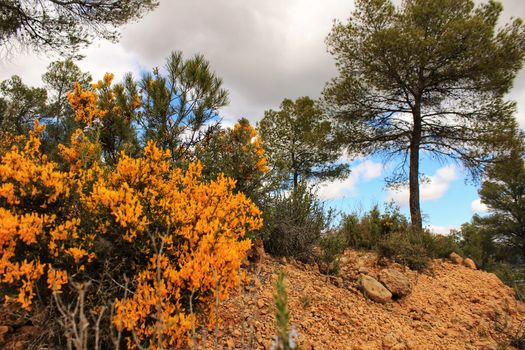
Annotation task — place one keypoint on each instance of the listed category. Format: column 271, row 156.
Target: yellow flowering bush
column 238, row 153
column 138, row 225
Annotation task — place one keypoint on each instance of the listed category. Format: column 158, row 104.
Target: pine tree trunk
column 415, row 209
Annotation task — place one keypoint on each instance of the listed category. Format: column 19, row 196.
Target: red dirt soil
column 450, row 307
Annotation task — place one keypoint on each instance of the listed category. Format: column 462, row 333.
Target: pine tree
column 428, row 76
column 300, row 144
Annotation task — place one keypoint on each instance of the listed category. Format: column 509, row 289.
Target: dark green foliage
column 64, row 26
column 235, row 153
column 300, row 144
column 117, row 132
column 180, row 106
column 365, row 232
column 59, row 116
column 332, row 246
column 496, row 241
column 511, row 275
column 477, row 243
column 444, row 64
column 504, row 194
column 20, row 105
column 406, row 248
column 294, row 224
column 441, row 246
column 390, row 235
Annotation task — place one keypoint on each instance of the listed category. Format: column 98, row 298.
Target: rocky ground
column 450, row 306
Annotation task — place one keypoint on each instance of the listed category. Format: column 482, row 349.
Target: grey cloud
column 265, row 50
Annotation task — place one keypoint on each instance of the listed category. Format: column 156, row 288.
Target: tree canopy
column 428, row 76
column 20, row 105
column 180, row 105
column 299, row 143
column 504, row 194
column 63, row 26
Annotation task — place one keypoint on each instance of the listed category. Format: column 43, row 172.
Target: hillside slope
column 450, row 307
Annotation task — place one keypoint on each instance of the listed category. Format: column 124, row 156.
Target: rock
column 4, row 330
column 485, row 345
column 337, row 281
column 230, row 343
column 19, row 345
column 468, row 262
column 397, row 283
column 389, row 342
column 374, row 290
column 344, row 260
column 370, row 345
column 260, row 303
column 363, row 270
column 456, row 258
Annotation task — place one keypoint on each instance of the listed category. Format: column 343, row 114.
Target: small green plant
column 440, row 246
column 332, row 246
column 517, row 338
column 306, row 301
column 286, row 338
column 511, row 335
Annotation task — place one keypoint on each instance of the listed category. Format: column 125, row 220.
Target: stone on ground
column 397, row 283
column 375, row 290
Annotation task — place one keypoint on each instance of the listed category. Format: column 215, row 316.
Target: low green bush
column 440, row 246
column 405, row 248
column 332, row 246
column 367, row 231
column 513, row 276
column 295, row 224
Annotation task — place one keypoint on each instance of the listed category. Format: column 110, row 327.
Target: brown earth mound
column 450, row 307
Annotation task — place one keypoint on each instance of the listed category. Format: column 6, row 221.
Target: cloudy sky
column 266, row 50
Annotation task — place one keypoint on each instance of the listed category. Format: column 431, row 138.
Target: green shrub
column 293, row 227
column 478, row 244
column 440, row 246
column 364, row 232
column 367, row 231
column 390, row 234
column 513, row 276
column 405, row 248
column 332, row 246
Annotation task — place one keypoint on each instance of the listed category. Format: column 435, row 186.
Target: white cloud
column 432, row 189
column 103, row 57
column 477, row 207
column 364, row 171
column 442, row 230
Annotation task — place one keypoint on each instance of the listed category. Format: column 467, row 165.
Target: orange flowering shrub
column 85, row 105
column 237, row 153
column 178, row 239
column 247, row 137
column 32, row 193
column 106, row 112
